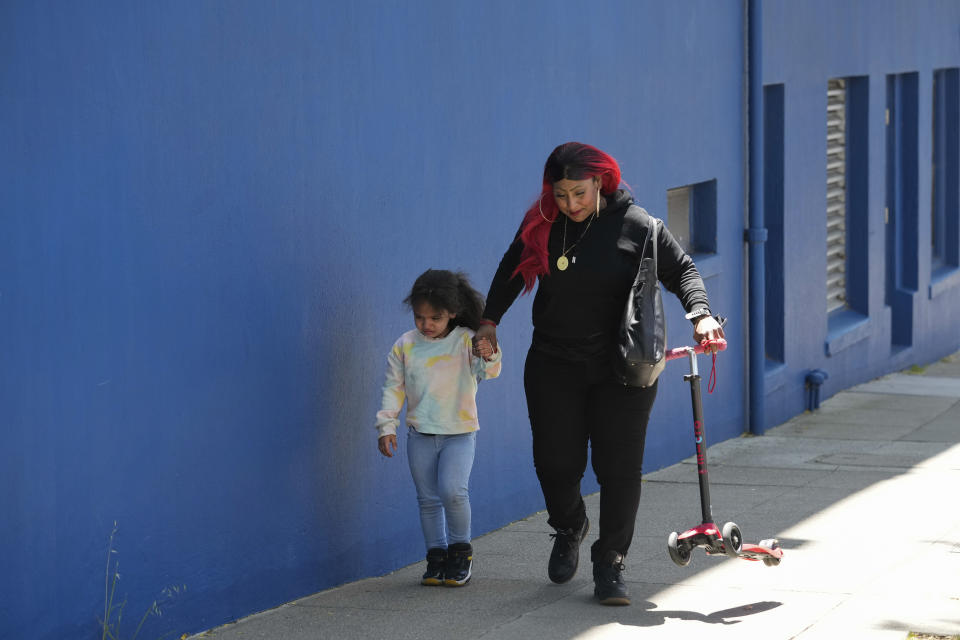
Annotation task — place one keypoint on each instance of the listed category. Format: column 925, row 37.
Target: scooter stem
column 700, row 437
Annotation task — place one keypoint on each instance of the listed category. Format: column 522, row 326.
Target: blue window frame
column 945, row 201
column 773, row 174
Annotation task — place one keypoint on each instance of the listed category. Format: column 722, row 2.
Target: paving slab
column 861, row 399
column 948, row 367
column 913, row 385
column 942, row 429
column 777, row 452
column 725, row 473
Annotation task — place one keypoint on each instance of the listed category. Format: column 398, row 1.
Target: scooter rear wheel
column 772, row 544
column 679, row 555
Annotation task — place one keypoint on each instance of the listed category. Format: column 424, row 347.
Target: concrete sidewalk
column 862, row 494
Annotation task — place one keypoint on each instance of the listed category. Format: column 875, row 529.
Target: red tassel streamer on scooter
column 712, row 380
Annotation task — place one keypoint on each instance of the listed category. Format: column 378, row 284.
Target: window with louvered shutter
column 836, row 195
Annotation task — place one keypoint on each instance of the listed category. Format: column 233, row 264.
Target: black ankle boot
column 608, row 581
column 459, row 564
column 436, row 564
column 566, row 552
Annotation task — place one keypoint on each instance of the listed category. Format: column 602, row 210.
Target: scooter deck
column 709, row 537
column 755, row 552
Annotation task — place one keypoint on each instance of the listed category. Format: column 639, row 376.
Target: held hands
column 486, row 332
column 482, row 347
column 386, row 443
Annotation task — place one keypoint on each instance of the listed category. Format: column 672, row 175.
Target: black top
column 576, row 312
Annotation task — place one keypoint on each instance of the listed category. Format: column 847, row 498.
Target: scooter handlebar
column 707, row 345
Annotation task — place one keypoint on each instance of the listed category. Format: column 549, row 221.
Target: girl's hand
column 707, row 328
column 386, row 443
column 485, row 332
column 482, row 348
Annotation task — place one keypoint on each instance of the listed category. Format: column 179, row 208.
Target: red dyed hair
column 570, row 161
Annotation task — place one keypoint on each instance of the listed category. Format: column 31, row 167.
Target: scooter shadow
column 727, row 616
column 653, row 617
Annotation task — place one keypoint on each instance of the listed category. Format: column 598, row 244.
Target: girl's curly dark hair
column 449, row 290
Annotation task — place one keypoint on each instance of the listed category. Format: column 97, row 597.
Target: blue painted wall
column 211, row 212
column 806, row 44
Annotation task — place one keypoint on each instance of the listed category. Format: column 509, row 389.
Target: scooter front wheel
column 679, row 554
column 732, row 539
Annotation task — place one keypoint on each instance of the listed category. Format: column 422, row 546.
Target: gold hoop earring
column 540, row 206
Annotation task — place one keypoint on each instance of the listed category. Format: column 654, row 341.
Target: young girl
column 436, row 368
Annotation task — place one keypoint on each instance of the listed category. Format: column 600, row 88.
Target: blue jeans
column 440, row 466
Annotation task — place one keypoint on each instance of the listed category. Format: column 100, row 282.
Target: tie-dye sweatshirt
column 438, row 378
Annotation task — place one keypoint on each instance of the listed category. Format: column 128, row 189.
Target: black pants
column 571, row 404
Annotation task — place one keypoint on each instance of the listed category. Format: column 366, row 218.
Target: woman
column 568, row 242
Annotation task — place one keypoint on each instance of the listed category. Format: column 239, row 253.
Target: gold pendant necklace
column 562, row 261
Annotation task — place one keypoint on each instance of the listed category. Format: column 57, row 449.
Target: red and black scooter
column 714, row 541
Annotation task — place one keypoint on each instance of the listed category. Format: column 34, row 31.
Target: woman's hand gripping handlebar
column 711, row 346
column 707, row 346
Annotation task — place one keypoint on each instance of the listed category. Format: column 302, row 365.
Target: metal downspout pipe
column 756, row 233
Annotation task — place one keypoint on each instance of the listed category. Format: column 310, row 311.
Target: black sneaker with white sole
column 566, row 552
column 608, row 584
